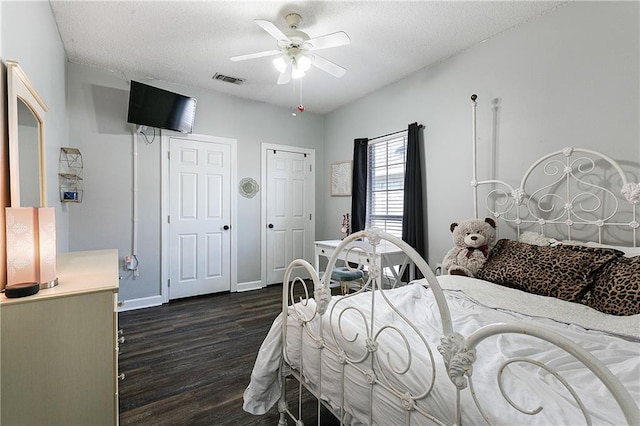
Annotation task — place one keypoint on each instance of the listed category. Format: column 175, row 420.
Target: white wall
column 30, row 36
column 569, row 78
column 98, row 102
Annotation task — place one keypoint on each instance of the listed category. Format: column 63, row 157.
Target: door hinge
column 169, row 155
column 168, row 283
column 310, row 168
column 168, row 219
column 309, row 216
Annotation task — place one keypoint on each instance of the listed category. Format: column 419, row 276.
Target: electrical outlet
column 128, row 263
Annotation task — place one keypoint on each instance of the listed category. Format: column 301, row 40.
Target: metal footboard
column 380, row 361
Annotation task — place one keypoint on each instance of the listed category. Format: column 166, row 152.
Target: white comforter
column 473, row 303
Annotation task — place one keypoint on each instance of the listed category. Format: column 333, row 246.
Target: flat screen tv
column 154, row 107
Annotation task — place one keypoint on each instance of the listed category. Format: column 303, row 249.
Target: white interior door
column 289, row 210
column 199, row 217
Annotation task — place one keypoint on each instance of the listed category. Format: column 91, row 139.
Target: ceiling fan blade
column 272, row 29
column 285, row 76
column 255, row 55
column 329, row 40
column 328, row 66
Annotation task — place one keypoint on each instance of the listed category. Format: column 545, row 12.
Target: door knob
column 226, row 227
column 270, row 226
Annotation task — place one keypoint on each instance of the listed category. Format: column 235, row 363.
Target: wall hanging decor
column 70, row 175
column 248, row 187
column 341, row 178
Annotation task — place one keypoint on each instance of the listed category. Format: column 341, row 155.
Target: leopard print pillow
column 616, row 290
column 564, row 272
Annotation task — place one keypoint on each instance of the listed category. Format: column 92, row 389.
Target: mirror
column 26, row 140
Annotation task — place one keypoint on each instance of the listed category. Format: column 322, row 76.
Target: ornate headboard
column 572, row 193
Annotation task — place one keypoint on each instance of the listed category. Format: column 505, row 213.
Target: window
column 385, row 183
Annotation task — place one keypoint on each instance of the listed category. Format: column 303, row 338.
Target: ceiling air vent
column 228, row 79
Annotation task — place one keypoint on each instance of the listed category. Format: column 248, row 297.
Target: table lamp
column 31, row 246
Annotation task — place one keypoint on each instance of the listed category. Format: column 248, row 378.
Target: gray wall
column 29, row 36
column 98, row 101
column 569, row 78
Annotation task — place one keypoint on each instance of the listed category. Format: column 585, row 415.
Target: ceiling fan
column 295, row 53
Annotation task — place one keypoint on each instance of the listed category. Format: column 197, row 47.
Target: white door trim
column 263, row 199
column 164, row 209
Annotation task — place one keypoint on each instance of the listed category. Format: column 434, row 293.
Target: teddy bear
column 472, row 239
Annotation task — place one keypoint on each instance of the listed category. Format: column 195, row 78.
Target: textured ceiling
column 188, row 42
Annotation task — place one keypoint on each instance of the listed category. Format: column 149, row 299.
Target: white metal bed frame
column 516, row 207
column 572, row 173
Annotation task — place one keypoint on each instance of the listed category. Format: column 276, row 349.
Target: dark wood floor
column 188, row 362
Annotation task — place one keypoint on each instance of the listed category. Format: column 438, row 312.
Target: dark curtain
column 359, row 185
column 413, row 217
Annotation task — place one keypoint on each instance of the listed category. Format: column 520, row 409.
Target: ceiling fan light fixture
column 300, row 64
column 303, row 62
column 297, row 72
column 294, row 57
column 280, row 63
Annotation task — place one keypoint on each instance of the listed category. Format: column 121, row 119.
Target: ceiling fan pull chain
column 300, row 105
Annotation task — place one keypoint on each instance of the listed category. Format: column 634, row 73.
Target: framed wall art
column 341, row 178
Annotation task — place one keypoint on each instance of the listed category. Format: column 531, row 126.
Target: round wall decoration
column 248, row 187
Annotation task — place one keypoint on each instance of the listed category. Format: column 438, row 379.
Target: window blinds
column 385, row 184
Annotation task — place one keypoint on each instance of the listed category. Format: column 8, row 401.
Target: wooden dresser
column 59, row 349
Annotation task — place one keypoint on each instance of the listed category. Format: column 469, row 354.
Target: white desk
column 388, row 257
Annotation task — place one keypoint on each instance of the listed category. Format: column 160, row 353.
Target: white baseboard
column 251, row 285
column 148, row 302
column 144, row 302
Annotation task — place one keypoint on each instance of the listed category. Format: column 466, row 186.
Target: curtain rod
column 395, row 133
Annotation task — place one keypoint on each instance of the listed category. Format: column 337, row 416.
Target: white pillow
column 628, row 251
column 538, row 239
